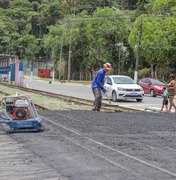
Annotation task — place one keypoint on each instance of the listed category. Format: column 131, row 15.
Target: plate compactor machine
column 20, row 114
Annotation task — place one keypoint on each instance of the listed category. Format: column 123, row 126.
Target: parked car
column 122, row 87
column 151, row 86
column 163, row 81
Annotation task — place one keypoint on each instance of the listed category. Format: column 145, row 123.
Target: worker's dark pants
column 98, row 99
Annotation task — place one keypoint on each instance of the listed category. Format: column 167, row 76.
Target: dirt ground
column 85, row 145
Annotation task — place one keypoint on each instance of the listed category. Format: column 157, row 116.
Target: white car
column 122, row 87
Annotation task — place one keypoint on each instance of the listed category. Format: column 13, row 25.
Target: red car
column 151, row 86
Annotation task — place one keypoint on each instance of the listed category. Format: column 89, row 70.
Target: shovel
column 107, row 97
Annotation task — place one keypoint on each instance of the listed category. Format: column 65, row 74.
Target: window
column 109, row 81
column 148, row 81
column 123, row 80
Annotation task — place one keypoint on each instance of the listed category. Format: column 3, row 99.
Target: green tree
column 105, row 31
column 4, row 3
column 158, row 37
column 161, row 7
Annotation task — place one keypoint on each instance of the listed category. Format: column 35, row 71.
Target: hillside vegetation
column 78, row 36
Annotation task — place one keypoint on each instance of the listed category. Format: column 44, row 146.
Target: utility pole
column 138, row 57
column 119, row 62
column 21, row 52
column 32, row 63
column 70, row 46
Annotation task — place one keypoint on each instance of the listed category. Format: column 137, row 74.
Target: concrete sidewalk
column 17, row 163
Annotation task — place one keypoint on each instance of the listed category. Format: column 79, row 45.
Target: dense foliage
column 80, row 35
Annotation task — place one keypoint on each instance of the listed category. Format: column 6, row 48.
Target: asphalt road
column 85, row 145
column 85, row 92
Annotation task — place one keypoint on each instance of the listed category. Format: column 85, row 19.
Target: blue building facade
column 11, row 69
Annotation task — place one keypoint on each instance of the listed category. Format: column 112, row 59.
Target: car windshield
column 155, row 81
column 122, row 80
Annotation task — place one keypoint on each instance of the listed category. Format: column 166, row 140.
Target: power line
column 158, row 47
column 116, row 18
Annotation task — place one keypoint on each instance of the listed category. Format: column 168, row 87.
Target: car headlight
column 121, row 89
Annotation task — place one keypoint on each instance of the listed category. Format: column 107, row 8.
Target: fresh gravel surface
column 86, row 145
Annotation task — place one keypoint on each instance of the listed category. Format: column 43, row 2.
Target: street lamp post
column 138, row 46
column 138, row 56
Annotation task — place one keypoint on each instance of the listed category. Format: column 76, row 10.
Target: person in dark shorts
column 165, row 99
column 97, row 86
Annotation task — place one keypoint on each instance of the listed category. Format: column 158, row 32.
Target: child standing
column 165, row 99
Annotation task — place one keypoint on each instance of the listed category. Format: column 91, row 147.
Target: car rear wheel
column 139, row 100
column 152, row 93
column 114, row 96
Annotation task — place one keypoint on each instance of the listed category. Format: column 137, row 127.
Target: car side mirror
column 109, row 83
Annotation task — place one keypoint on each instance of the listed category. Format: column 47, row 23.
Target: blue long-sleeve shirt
column 98, row 80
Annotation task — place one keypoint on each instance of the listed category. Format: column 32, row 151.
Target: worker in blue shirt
column 97, row 86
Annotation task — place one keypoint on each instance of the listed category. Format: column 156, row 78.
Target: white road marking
column 117, row 151
column 99, row 155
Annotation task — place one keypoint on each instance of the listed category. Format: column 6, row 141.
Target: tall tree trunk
column 152, row 71
column 156, row 70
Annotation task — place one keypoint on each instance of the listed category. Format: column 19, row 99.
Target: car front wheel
column 139, row 100
column 114, row 96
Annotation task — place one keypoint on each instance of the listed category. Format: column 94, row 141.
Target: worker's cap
column 107, row 66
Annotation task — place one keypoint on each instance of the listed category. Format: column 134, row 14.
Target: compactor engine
column 19, row 112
